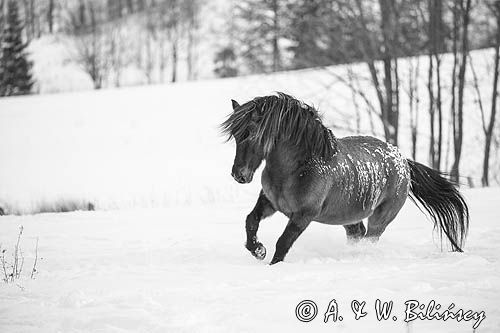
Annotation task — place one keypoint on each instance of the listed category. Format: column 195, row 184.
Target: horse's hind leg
column 380, row 219
column 263, row 208
column 355, row 231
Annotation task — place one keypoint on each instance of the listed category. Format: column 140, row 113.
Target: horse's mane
column 281, row 117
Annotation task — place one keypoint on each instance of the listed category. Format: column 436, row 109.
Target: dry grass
column 12, row 268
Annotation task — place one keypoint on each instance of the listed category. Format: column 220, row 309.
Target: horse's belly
column 341, row 217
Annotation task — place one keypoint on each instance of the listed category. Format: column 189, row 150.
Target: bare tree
column 414, row 101
column 191, row 10
column 117, row 52
column 40, row 16
column 147, row 61
column 90, row 41
column 386, row 86
column 461, row 13
column 490, row 125
column 29, row 15
column 169, row 21
column 50, row 15
column 436, row 47
column 2, row 20
column 259, row 33
column 276, row 35
column 162, row 39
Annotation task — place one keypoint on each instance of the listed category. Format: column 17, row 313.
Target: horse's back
column 381, row 160
column 367, row 172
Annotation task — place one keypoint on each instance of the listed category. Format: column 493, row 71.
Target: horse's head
column 241, row 125
column 260, row 124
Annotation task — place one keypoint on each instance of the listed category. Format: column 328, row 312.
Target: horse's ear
column 235, row 104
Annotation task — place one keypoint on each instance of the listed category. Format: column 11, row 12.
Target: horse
column 311, row 175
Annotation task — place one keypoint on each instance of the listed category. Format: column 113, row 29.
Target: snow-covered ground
column 186, row 270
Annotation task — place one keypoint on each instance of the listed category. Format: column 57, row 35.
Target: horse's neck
column 286, row 158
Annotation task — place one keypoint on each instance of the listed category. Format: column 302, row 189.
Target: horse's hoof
column 259, row 252
column 275, row 261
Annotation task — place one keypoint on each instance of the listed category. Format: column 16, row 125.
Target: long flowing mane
column 281, row 117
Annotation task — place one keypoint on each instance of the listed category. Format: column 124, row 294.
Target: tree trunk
column 2, row 2
column 437, row 163
column 50, row 16
column 430, row 88
column 174, row 60
column 454, row 76
column 276, row 33
column 436, row 43
column 119, row 9
column 439, row 48
column 192, row 27
column 494, row 96
column 81, row 14
column 458, row 133
column 163, row 58
column 27, row 20
column 390, row 113
column 414, row 104
column 386, row 88
column 32, row 19
column 189, row 58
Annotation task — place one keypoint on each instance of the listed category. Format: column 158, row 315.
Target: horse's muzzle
column 242, row 177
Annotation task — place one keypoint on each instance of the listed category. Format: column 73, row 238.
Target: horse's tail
column 443, row 202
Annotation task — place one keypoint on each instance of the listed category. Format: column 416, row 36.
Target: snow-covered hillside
column 160, row 145
column 186, row 270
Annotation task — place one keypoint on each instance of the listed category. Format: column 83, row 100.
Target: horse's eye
column 256, row 116
column 243, row 136
column 248, row 136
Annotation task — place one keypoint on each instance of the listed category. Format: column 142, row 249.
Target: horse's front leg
column 263, row 208
column 297, row 224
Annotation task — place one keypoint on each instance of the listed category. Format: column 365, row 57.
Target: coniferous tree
column 15, row 69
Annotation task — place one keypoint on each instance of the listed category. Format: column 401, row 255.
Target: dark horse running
column 310, row 175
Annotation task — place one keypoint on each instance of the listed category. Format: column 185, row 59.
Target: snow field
column 186, row 270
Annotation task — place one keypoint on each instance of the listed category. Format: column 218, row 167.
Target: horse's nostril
column 238, row 177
